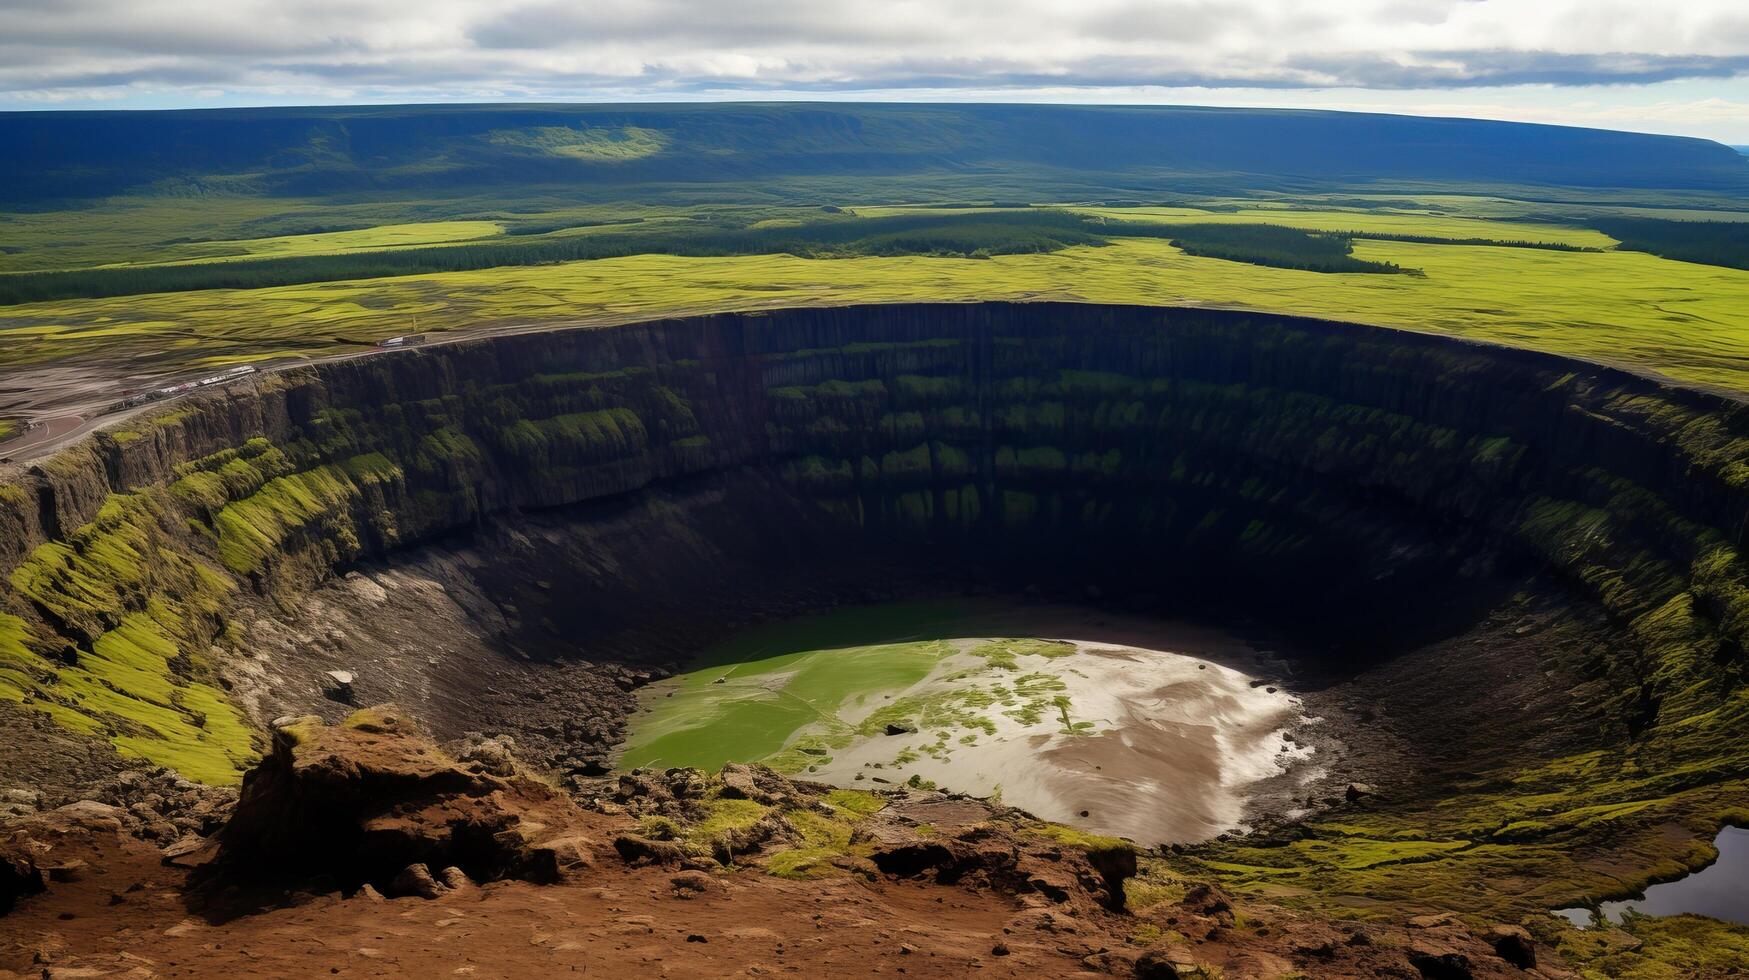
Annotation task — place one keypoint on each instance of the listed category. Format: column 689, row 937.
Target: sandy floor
column 1151, row 745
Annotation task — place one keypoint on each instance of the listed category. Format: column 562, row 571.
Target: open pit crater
column 1510, row 582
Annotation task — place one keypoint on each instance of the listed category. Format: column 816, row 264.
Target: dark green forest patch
column 1723, row 243
column 1273, row 245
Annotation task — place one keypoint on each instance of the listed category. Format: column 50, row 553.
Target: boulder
column 337, row 686
column 364, row 800
column 964, row 843
column 191, row 851
column 638, row 851
column 746, row 840
column 493, row 755
column 689, row 883
column 67, row 871
column 755, row 783
column 27, row 799
column 556, row 857
column 37, row 849
column 415, row 880
column 1205, row 899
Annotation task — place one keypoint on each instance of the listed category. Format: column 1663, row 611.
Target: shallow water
column 1720, row 890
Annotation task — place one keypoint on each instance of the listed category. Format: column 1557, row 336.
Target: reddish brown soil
column 931, row 885
column 130, row 913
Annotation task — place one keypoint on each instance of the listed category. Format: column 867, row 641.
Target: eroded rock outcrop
column 792, row 828
column 373, row 801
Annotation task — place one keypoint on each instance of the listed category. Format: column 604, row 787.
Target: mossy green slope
column 135, row 609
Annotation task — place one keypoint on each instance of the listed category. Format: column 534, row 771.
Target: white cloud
column 172, row 51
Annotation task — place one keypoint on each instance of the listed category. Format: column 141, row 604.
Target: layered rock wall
column 1302, row 461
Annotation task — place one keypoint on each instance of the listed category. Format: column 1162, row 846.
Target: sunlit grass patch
column 1624, row 308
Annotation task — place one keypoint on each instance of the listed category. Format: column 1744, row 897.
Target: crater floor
column 1155, row 745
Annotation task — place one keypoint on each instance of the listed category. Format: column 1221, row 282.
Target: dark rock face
column 931, row 418
column 955, row 422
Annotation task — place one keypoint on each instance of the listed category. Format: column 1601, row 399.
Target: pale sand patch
column 1168, row 744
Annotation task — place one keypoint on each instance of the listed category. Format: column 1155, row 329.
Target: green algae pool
column 744, row 700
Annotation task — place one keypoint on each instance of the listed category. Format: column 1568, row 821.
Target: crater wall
column 1303, row 469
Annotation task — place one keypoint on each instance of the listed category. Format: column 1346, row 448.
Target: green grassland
column 1680, row 319
column 154, row 229
column 1382, row 223
column 473, row 246
column 327, row 243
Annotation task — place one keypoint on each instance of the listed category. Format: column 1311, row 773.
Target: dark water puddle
column 1719, row 890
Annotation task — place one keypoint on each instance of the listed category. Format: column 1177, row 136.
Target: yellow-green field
column 1379, row 222
column 1375, row 222
column 325, row 243
column 1687, row 321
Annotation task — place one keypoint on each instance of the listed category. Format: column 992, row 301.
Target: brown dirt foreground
column 624, row 922
column 495, row 873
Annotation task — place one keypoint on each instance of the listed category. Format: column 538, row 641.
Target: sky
column 1676, row 66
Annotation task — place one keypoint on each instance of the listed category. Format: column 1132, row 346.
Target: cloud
column 373, row 49
column 1472, row 69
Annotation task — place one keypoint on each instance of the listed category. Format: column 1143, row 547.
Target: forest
column 1723, row 243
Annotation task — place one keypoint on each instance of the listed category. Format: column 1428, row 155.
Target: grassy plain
column 1687, row 321
column 325, row 243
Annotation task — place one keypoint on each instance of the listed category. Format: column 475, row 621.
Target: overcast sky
column 1676, row 66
